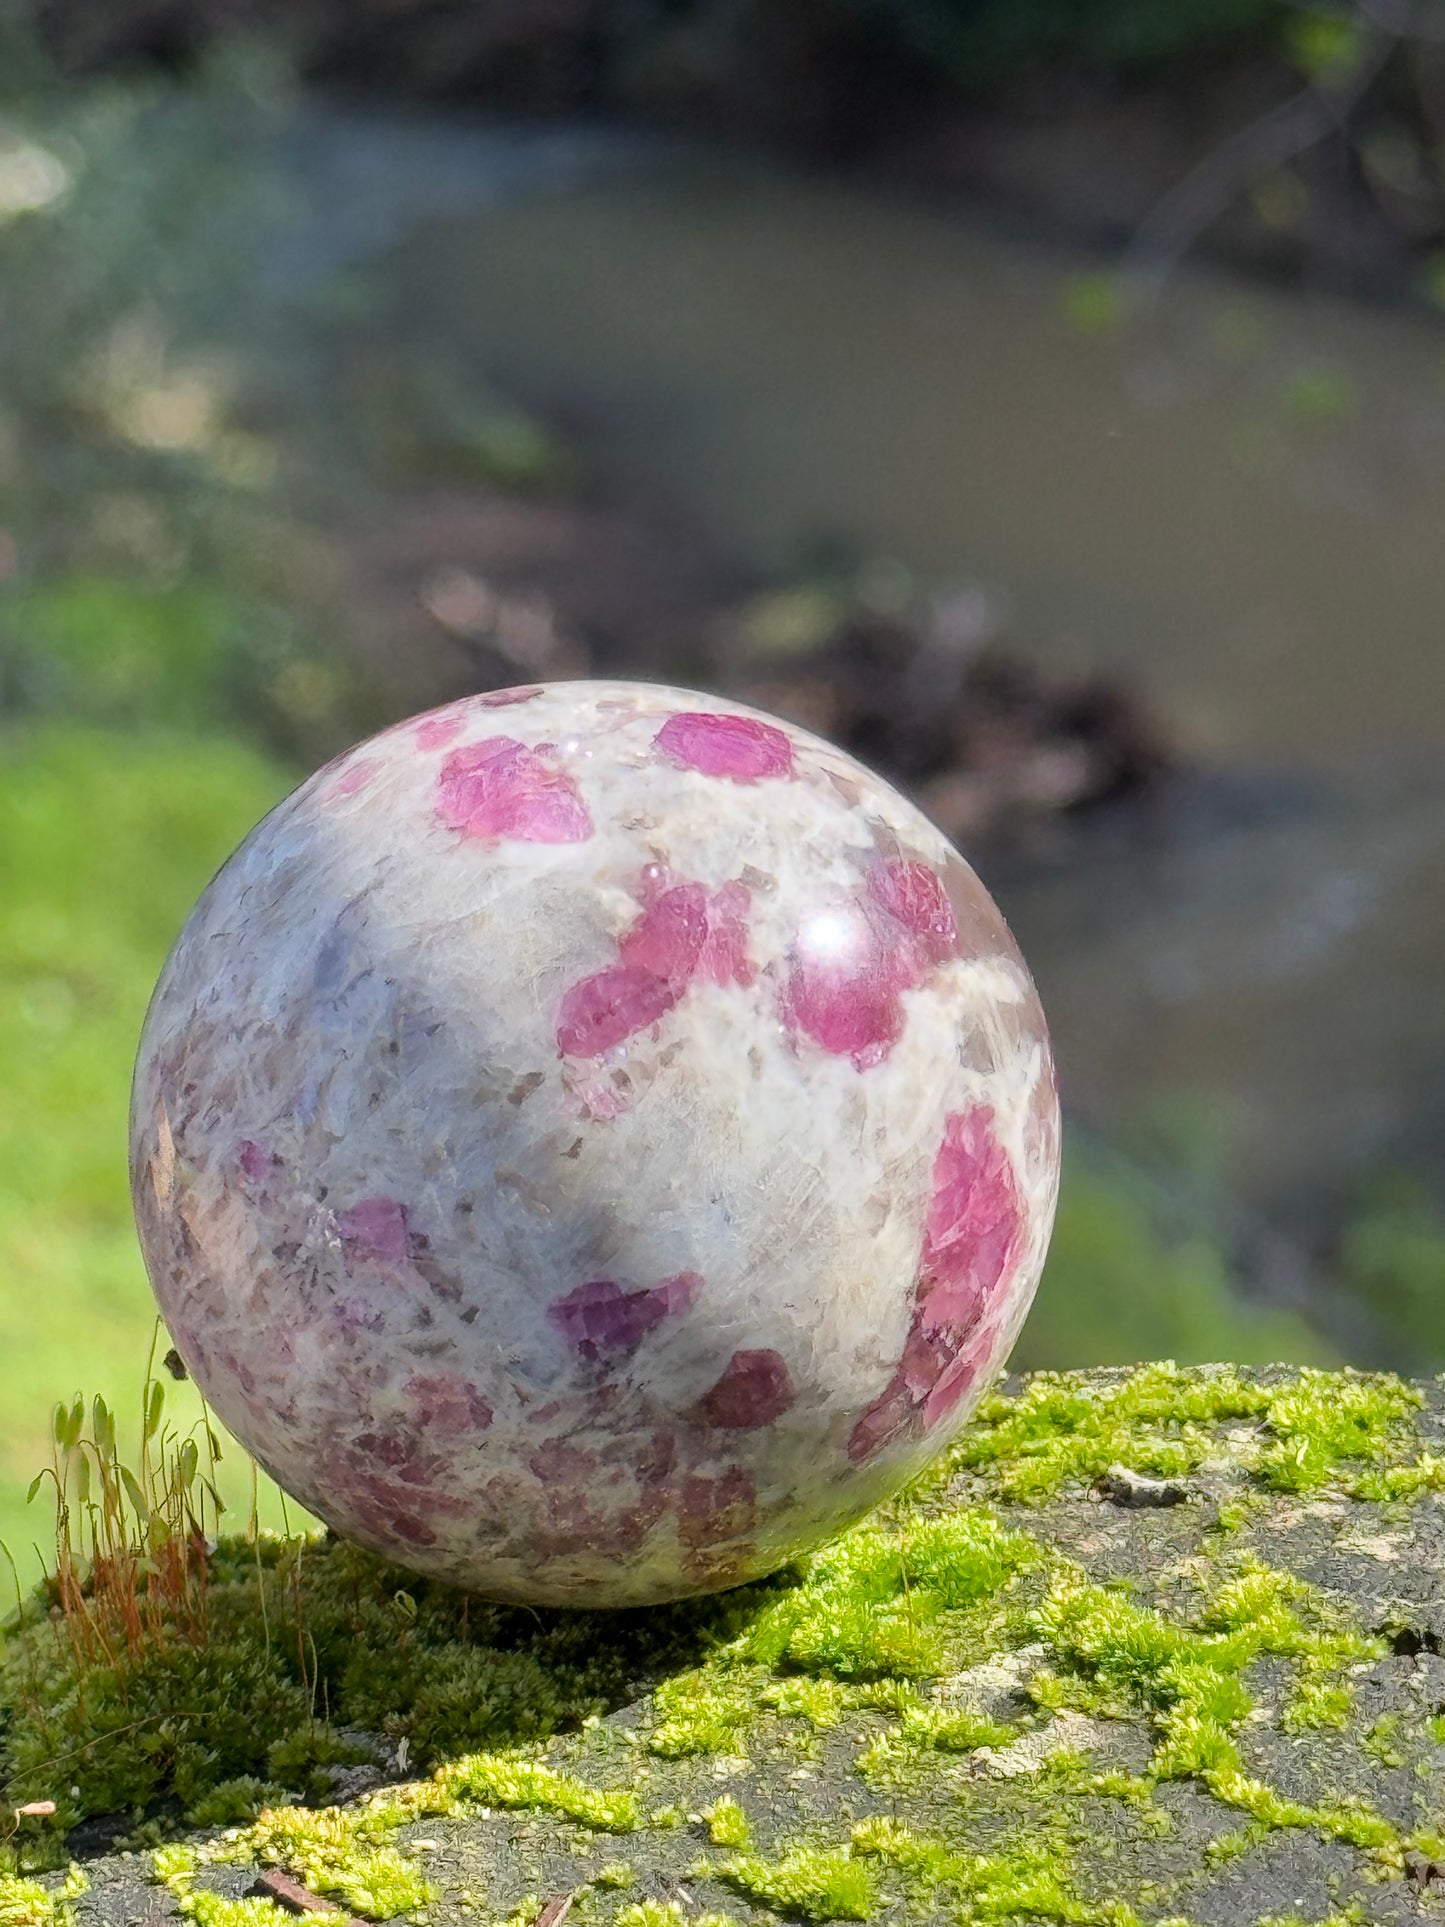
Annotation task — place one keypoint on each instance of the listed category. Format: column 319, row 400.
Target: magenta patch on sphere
column 843, row 987
column 715, row 1508
column 724, row 955
column 853, row 961
column 756, row 1387
column 354, row 778
column 972, row 1236
column 402, row 1452
column 378, row 1228
column 254, row 1159
column 600, row 1319
column 439, row 729
column 593, row 1163
column 389, row 1509
column 501, row 788
column 447, row 1402
column 558, row 1463
column 738, row 747
column 975, row 1220
column 678, row 934
column 667, row 939
column 611, row 1006
column 913, row 897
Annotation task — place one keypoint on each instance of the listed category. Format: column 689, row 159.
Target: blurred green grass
column 1119, row 1289
column 106, row 838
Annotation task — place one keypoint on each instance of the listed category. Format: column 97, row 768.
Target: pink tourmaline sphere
column 593, row 1142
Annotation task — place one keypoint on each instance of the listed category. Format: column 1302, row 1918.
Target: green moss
column 1234, row 1515
column 1062, row 1431
column 886, row 1602
column 1343, row 1428
column 31, row 1903
column 340, row 1853
column 1382, row 1740
column 1227, row 1847
column 1325, row 1421
column 1029, row 1882
column 857, row 1618
column 651, row 1913
column 219, row 1910
column 1349, row 1822
column 170, row 1720
column 1408, row 1481
column 499, row 1780
column 289, row 1626
column 727, row 1824
column 235, row 1801
column 176, row 1868
column 821, row 1702
column 1136, row 1790
column 816, row 1883
column 1192, row 1678
column 1287, row 1617
column 668, row 1913
column 703, row 1711
column 952, row 1731
column 896, row 1759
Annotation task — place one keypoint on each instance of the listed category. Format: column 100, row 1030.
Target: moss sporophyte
column 988, row 1700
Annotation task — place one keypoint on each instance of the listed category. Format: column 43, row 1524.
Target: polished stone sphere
column 593, row 1142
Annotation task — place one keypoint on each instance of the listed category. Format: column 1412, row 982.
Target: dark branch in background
column 1284, row 133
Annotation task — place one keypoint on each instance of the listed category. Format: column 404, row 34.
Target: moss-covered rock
column 1151, row 1646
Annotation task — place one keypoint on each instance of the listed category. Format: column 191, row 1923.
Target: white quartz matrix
column 592, row 1142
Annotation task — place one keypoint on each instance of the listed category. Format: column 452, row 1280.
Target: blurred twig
column 1180, row 217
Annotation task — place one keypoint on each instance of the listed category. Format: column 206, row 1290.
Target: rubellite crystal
column 592, row 1142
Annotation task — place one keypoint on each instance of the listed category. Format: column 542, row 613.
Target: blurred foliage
column 112, row 652
column 983, row 42
column 149, row 581
column 1095, row 303
column 151, row 567
column 563, row 54
column 130, row 231
column 1318, row 396
column 1325, row 47
column 1391, row 1259
column 1119, row 1288
column 419, row 414
column 186, row 654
